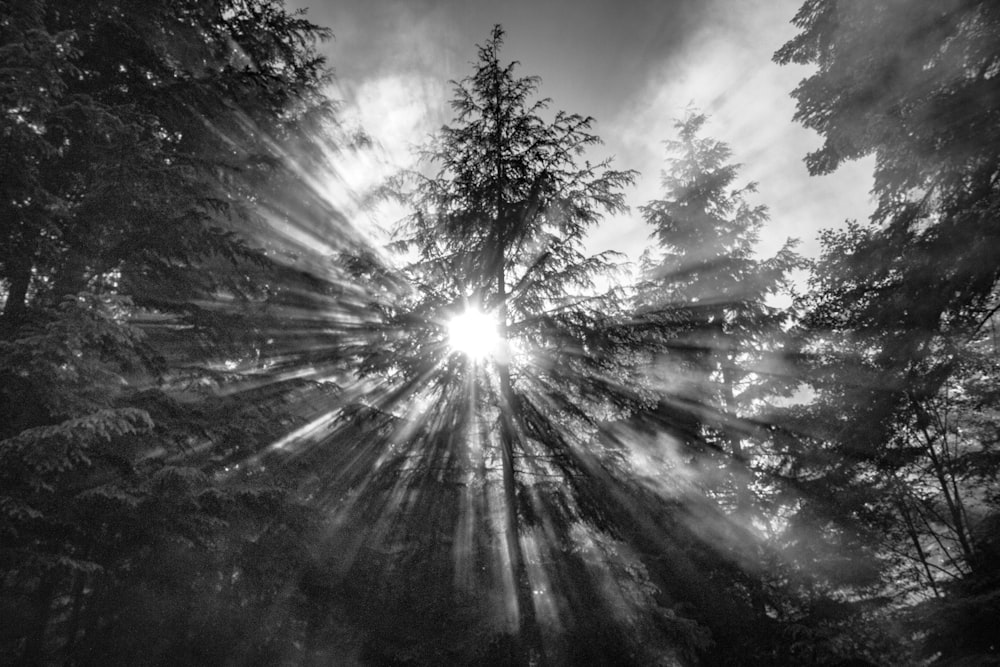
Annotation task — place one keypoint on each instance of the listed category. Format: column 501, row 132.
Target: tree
column 136, row 139
column 127, row 97
column 899, row 307
column 913, row 474
column 506, row 215
column 721, row 354
column 915, row 85
column 705, row 299
column 498, row 228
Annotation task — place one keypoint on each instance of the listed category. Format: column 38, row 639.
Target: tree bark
column 952, row 502
column 911, row 531
column 19, row 277
column 529, row 639
column 73, row 629
column 34, row 647
column 740, row 470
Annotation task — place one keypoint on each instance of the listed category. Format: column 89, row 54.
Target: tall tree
column 135, row 141
column 128, row 97
column 499, row 229
column 717, row 356
column 706, row 299
column 899, row 308
column 908, row 468
column 915, row 85
column 506, row 216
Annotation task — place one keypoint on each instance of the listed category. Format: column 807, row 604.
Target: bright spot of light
column 474, row 334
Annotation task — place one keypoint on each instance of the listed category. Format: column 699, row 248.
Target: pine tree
column 915, row 85
column 507, row 214
column 716, row 353
column 705, row 300
column 498, row 229
column 899, row 306
column 137, row 137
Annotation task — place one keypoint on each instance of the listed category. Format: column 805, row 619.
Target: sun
column 474, row 334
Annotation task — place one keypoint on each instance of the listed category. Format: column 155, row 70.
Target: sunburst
column 475, row 334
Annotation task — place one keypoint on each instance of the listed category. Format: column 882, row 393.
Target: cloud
column 399, row 110
column 372, row 39
column 726, row 71
column 636, row 68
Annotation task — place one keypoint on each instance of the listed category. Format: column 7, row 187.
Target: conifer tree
column 715, row 354
column 915, row 86
column 900, row 307
column 498, row 229
column 136, row 138
column 705, row 300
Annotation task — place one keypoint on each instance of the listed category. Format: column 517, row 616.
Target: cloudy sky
column 635, row 66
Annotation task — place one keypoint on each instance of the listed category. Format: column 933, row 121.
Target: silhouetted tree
column 899, row 307
column 916, row 86
column 136, row 139
column 499, row 227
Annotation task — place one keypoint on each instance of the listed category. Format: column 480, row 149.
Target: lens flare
column 474, row 334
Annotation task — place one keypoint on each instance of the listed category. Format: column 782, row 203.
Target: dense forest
column 235, row 429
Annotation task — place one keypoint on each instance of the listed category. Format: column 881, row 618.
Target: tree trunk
column 72, row 276
column 529, row 639
column 952, row 502
column 34, row 647
column 739, row 467
column 528, row 644
column 911, row 531
column 73, row 629
column 19, row 276
column 740, row 470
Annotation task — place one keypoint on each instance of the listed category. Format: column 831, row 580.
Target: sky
column 634, row 66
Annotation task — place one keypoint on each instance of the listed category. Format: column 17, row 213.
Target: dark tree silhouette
column 498, row 228
column 901, row 310
column 916, row 86
column 136, row 141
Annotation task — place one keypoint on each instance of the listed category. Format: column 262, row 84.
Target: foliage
column 721, row 358
column 902, row 428
column 230, row 432
column 705, row 301
column 499, row 226
column 914, row 84
column 134, row 339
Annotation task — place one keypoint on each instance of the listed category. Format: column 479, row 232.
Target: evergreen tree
column 905, row 474
column 915, row 85
column 705, row 301
column 719, row 356
column 895, row 324
column 119, row 175
column 497, row 452
column 135, row 141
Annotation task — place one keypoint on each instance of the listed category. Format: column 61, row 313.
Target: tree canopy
column 899, row 309
column 136, row 141
column 233, row 430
